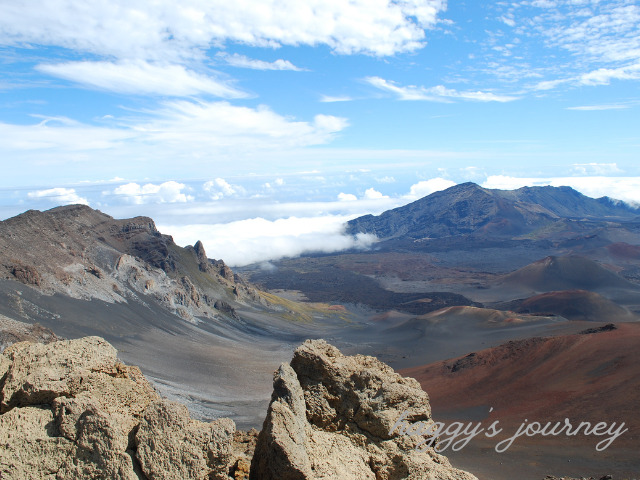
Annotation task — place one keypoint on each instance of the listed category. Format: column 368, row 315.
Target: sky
column 261, row 126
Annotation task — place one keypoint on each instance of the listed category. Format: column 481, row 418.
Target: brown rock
column 172, row 445
column 241, row 469
column 94, row 413
column 39, row 373
column 203, row 262
column 330, row 417
column 223, row 270
column 29, row 447
column 226, row 308
column 100, row 449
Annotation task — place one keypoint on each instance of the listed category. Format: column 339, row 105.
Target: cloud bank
column 176, row 31
column 257, row 240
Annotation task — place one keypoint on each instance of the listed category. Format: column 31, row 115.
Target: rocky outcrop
column 70, row 409
column 201, row 255
column 332, row 416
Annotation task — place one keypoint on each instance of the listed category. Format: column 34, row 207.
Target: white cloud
column 347, row 197
column 600, row 76
column 52, row 134
column 172, row 30
column 603, row 76
column 58, row 196
column 334, row 99
column 508, row 20
column 278, row 182
column 219, row 188
column 242, row 61
column 427, row 187
column 259, row 240
column 177, row 134
column 141, row 78
column 550, row 84
column 438, row 93
column 373, row 194
column 386, row 179
column 594, row 168
column 220, row 124
column 588, row 108
column 167, row 192
column 620, row 188
column 592, row 43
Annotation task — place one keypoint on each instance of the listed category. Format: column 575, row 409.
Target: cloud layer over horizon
column 242, row 227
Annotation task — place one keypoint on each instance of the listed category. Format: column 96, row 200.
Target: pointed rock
column 332, row 416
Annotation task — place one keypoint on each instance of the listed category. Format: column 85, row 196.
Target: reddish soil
column 586, row 377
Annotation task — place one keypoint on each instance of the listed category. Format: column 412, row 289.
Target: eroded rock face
column 330, row 417
column 70, row 409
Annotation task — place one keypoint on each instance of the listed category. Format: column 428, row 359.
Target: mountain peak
column 469, row 209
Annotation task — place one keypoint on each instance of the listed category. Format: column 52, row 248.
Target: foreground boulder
column 70, row 409
column 331, row 415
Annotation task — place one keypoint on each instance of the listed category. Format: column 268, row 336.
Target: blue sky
column 260, row 126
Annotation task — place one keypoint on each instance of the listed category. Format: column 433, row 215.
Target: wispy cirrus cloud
column 438, row 93
column 335, row 99
column 212, row 125
column 242, row 61
column 600, row 76
column 591, row 108
column 591, row 43
column 141, row 78
column 221, row 124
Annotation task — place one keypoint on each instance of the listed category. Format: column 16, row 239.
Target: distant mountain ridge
column 469, row 209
